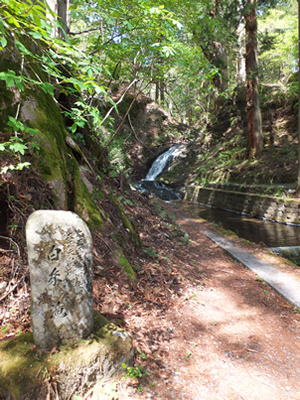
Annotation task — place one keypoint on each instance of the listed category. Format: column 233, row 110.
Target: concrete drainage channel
column 282, row 282
column 292, row 253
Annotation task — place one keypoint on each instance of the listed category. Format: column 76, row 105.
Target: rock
column 157, row 189
column 3, row 286
column 61, row 273
column 76, row 371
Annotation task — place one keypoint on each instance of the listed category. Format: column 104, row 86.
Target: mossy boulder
column 69, row 372
column 55, row 162
column 122, row 261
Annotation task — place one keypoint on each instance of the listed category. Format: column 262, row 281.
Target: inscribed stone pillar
column 61, row 274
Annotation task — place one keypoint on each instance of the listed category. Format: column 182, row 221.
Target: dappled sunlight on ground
column 203, row 326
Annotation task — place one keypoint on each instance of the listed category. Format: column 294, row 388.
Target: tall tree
column 240, row 62
column 298, row 178
column 278, row 43
column 212, row 31
column 62, row 12
column 61, row 9
column 255, row 140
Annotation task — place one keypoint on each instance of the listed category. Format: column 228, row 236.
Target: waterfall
column 162, row 162
column 158, row 189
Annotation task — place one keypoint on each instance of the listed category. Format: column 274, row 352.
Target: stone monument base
column 72, row 371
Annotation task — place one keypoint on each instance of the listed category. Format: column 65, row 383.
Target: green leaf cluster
column 184, row 50
column 46, row 63
column 278, row 43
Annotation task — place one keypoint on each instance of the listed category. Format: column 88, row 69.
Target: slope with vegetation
column 90, row 98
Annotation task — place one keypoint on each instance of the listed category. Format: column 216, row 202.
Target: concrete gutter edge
column 282, row 282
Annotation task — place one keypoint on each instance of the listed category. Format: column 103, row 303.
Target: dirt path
column 204, row 326
column 229, row 336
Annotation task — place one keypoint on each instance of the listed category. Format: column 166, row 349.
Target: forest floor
column 203, row 326
column 232, row 336
column 227, row 336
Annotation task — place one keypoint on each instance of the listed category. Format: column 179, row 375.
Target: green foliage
column 150, row 252
column 15, row 145
column 117, row 155
column 152, row 43
column 125, row 201
column 182, row 48
column 135, row 372
column 293, row 90
column 133, row 33
column 141, row 354
column 26, row 26
column 4, row 329
column 219, row 164
column 278, row 44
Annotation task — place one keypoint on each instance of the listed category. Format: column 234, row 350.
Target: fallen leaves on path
column 203, row 327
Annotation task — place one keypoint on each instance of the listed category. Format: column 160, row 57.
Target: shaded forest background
column 200, row 61
column 92, row 91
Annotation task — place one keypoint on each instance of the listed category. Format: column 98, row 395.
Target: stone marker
column 61, row 274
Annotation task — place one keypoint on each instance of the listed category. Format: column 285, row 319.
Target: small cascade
column 158, row 189
column 162, row 162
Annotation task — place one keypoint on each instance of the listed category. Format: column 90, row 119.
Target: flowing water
column 272, row 234
column 162, row 162
column 157, row 189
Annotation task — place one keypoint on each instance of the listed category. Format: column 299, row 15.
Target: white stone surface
column 282, row 282
column 60, row 259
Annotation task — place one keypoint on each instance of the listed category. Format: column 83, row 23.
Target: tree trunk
column 240, row 62
column 170, row 108
column 156, row 91
column 60, row 7
column 162, row 93
column 252, row 90
column 62, row 12
column 220, row 80
column 298, row 178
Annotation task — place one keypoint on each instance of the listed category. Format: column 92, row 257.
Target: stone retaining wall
column 273, row 208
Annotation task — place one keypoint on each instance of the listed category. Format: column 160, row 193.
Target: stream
column 273, row 234
column 160, row 165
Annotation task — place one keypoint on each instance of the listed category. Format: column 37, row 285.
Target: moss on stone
column 126, row 222
column 55, row 161
column 20, row 364
column 124, row 264
column 24, row 373
column 256, row 205
column 83, row 203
